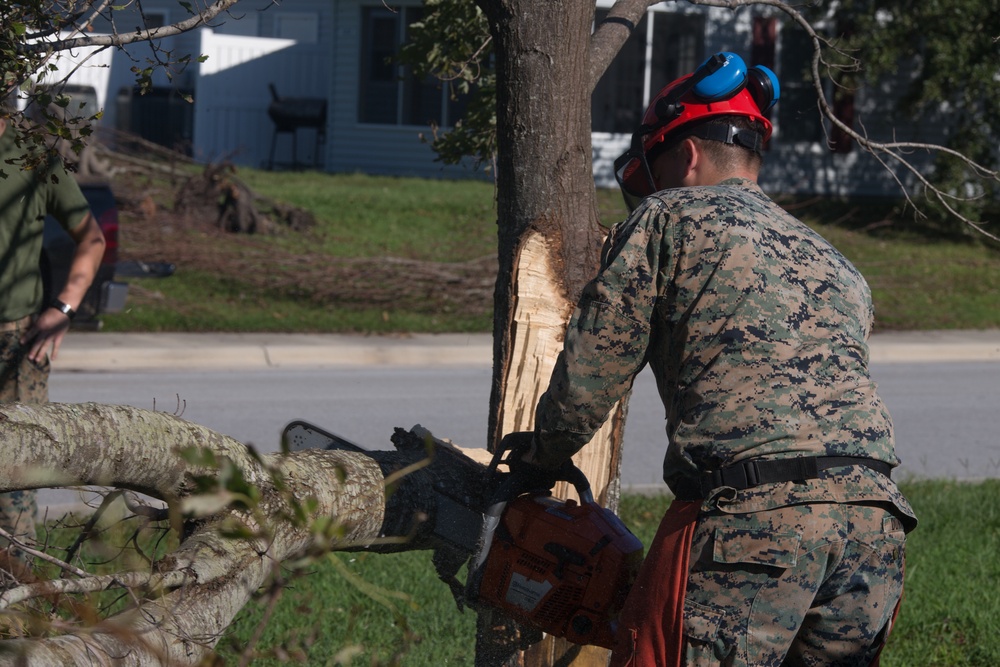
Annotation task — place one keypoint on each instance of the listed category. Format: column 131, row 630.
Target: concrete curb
column 931, row 346
column 97, row 352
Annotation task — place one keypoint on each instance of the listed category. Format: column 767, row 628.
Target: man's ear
column 692, row 158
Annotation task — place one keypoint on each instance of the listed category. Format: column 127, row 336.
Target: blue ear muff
column 725, row 81
column 720, row 77
column 764, row 87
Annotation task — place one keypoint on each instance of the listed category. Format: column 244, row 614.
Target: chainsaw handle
column 510, row 489
column 580, row 483
column 518, row 443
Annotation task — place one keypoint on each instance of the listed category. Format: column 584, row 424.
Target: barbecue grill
column 291, row 114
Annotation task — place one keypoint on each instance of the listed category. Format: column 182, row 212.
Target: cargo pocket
column 736, row 564
column 704, row 643
column 893, row 529
column 756, row 546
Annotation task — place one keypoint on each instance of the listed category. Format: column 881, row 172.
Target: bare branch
column 885, row 152
column 184, row 603
column 612, row 33
column 38, row 554
column 143, row 581
column 120, row 39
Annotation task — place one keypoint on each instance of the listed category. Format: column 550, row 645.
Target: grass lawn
column 950, row 615
column 919, row 279
column 951, row 606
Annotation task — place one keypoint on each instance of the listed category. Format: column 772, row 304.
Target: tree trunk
column 209, row 578
column 548, row 232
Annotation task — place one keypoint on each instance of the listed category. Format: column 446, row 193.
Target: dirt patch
column 191, row 220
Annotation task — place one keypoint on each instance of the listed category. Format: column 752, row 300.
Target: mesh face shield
column 633, row 173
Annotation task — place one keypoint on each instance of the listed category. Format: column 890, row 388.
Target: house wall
column 92, row 67
column 85, row 67
column 112, row 76
column 258, row 46
column 395, row 150
column 811, row 168
column 232, row 95
column 319, row 58
column 795, row 167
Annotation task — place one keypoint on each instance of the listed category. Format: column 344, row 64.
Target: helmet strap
column 730, row 134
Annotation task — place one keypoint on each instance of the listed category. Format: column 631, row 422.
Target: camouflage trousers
column 811, row 585
column 23, row 381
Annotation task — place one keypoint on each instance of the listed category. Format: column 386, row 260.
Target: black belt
column 754, row 472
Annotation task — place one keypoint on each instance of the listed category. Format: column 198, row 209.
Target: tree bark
column 548, row 231
column 544, row 183
column 125, row 447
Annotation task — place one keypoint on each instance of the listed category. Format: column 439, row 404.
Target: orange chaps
column 658, row 593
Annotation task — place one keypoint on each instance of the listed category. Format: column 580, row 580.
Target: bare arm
column 51, row 325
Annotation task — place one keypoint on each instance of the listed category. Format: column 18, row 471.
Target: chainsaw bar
column 302, row 435
column 454, row 521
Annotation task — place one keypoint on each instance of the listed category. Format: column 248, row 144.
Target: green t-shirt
column 26, row 197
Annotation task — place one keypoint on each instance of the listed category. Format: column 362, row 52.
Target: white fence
column 232, row 96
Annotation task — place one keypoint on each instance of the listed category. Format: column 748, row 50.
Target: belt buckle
column 740, row 476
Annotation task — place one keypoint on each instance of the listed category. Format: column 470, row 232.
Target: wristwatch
column 63, row 308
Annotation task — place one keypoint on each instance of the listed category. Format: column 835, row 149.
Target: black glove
column 528, row 476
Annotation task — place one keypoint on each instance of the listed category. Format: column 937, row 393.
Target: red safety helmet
column 721, row 86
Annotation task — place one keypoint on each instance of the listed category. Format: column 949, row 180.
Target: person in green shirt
column 32, row 331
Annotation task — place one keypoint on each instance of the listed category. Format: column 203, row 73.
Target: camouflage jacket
column 755, row 328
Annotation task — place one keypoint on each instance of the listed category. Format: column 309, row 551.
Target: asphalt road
column 946, row 416
column 941, row 387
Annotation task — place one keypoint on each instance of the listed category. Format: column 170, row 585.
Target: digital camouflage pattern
column 23, row 381
column 756, row 330
column 813, row 584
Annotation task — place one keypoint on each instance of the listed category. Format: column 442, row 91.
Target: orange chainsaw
column 558, row 566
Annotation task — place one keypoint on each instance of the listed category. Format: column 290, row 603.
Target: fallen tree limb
column 307, row 502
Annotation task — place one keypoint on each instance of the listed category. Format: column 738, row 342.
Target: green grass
column 370, row 216
column 951, row 607
column 920, row 278
column 950, row 615
column 401, row 609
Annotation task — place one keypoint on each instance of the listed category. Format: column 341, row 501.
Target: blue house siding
column 232, row 96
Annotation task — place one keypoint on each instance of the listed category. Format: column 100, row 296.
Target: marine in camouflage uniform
column 755, row 329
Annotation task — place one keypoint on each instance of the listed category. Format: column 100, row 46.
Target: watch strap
column 63, row 308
